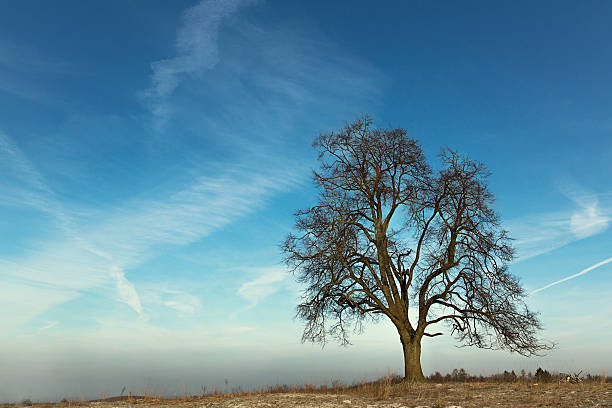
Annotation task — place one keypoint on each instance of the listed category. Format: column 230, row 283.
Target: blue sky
column 152, row 155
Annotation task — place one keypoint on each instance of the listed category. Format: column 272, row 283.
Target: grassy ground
column 385, row 393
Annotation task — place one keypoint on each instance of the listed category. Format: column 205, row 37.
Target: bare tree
column 391, row 237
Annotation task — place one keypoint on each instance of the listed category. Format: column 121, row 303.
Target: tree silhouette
column 391, row 237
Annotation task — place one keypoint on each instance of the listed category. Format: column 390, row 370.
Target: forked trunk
column 412, row 358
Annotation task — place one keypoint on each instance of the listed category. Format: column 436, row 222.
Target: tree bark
column 411, row 345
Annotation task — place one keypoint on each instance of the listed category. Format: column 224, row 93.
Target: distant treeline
column 540, row 375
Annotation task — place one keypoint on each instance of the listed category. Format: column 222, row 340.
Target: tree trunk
column 411, row 346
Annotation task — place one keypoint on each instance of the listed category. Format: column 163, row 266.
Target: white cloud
column 196, row 47
column 182, row 302
column 266, row 75
column 28, row 187
column 171, row 295
column 126, row 291
column 96, row 254
column 588, row 221
column 267, row 283
column 537, row 234
column 22, row 301
column 47, row 326
column 187, row 215
column 182, row 306
column 132, row 234
column 55, row 271
column 289, row 78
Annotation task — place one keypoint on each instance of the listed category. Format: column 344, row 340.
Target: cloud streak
column 541, row 233
column 138, row 231
column 206, row 205
column 589, row 219
column 47, row 326
column 32, row 189
column 126, row 291
column 40, row 196
column 268, row 283
column 582, row 272
column 245, row 126
column 25, row 73
column 197, row 50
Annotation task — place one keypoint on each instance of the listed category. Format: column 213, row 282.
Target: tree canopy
column 390, row 236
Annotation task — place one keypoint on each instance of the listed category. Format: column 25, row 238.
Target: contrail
column 582, row 272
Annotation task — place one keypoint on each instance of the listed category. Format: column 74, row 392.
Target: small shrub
column 543, row 375
column 509, row 376
column 459, row 375
column 436, row 377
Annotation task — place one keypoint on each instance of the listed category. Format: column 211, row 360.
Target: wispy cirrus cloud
column 590, row 218
column 24, row 71
column 47, row 326
column 20, row 57
column 136, row 231
column 173, row 296
column 126, row 291
column 24, row 183
column 588, row 221
column 262, row 76
column 23, row 299
column 245, row 111
column 269, row 281
column 200, row 208
column 77, row 273
column 197, row 50
column 538, row 234
column 188, row 304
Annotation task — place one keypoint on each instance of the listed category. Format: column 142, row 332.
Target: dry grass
column 386, row 392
